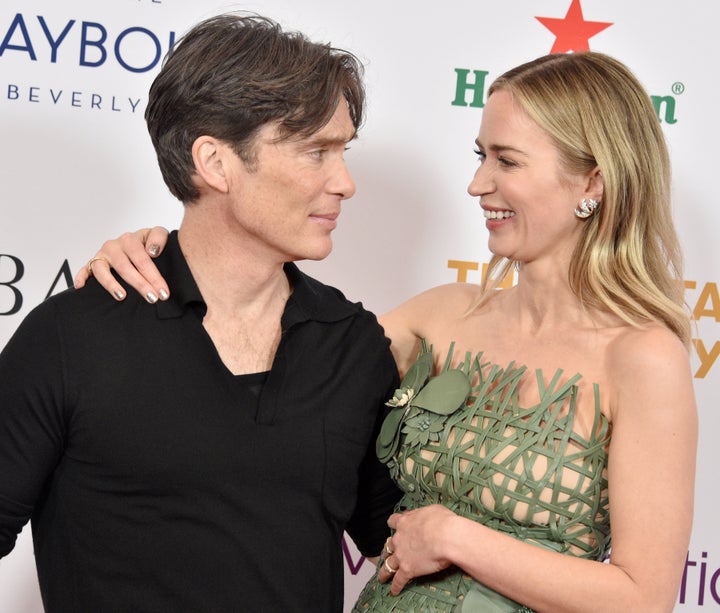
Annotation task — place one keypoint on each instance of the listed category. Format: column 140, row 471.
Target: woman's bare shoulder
column 425, row 315
column 449, row 299
column 646, row 347
column 434, row 307
column 649, row 366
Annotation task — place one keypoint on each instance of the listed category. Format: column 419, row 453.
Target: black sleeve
column 31, row 418
column 377, row 493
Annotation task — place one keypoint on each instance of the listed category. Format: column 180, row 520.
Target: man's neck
column 245, row 291
column 233, row 276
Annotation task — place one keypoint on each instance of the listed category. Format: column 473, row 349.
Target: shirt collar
column 185, row 292
column 310, row 300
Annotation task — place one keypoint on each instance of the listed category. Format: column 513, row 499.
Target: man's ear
column 209, row 156
column 595, row 187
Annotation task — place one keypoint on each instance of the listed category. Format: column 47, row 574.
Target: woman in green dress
column 577, row 409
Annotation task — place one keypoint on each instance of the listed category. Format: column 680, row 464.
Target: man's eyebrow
column 331, row 139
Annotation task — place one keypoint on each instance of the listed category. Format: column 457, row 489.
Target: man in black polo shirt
column 207, row 453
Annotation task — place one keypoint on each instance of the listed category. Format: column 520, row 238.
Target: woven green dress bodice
column 460, row 439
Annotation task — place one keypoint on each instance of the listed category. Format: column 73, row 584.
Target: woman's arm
column 131, row 256
column 651, row 487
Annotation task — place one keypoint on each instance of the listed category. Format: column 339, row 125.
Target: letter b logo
column 17, row 270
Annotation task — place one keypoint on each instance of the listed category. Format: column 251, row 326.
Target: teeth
column 498, row 214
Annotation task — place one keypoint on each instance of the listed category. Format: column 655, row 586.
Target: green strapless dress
column 460, row 439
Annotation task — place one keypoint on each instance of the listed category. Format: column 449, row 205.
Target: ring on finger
column 389, row 568
column 96, row 259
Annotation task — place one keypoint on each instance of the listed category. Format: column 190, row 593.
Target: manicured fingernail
column 153, row 250
column 119, row 294
column 151, row 298
column 164, row 295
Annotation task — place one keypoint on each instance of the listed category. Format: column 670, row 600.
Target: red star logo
column 572, row 33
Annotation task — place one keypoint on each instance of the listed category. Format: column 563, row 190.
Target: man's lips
column 327, row 220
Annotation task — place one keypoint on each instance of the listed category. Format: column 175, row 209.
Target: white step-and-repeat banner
column 77, row 166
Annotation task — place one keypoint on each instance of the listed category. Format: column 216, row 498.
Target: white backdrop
column 77, row 166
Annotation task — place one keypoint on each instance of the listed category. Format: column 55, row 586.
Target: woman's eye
column 505, row 162
column 480, row 155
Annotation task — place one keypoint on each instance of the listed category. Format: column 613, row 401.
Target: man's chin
column 315, row 255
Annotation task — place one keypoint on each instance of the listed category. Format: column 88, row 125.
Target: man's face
column 286, row 203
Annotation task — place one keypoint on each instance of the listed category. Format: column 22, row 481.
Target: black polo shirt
column 157, row 481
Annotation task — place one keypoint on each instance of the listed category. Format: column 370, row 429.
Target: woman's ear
column 595, row 187
column 209, row 156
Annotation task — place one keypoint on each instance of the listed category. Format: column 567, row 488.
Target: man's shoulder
column 326, row 304
column 71, row 314
column 325, row 298
column 81, row 311
column 327, row 291
column 91, row 297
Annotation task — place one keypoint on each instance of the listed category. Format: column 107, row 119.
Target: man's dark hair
column 232, row 74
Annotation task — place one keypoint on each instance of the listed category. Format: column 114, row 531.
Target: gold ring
column 95, row 259
column 389, row 568
column 387, row 549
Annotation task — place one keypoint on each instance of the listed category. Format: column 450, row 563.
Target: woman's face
column 527, row 198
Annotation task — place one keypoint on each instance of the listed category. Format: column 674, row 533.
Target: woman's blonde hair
column 628, row 259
